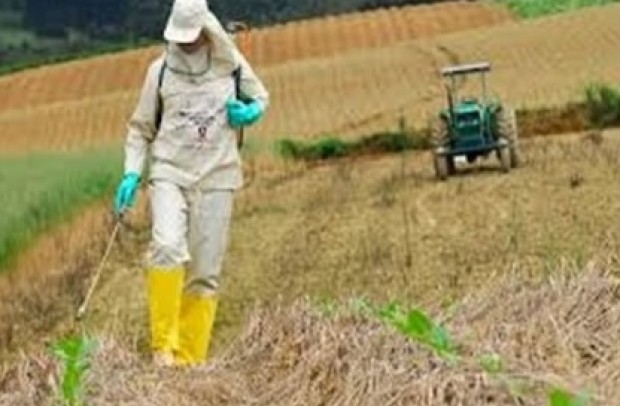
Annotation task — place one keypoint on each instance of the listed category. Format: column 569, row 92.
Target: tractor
column 472, row 127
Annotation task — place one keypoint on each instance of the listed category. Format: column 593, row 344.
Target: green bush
column 325, row 148
column 332, row 147
column 391, row 142
column 289, row 149
column 603, row 105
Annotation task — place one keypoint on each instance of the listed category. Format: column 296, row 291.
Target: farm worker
column 194, row 170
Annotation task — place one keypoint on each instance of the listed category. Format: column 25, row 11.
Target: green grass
column 40, row 191
column 538, row 8
column 602, row 102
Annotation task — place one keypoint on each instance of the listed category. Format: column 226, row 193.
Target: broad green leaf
column 560, row 397
column 419, row 324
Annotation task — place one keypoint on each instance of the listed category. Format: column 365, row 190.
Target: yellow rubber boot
column 165, row 286
column 197, row 317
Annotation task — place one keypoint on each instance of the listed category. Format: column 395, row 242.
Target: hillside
column 553, row 59
column 100, row 93
column 334, row 36
column 36, row 32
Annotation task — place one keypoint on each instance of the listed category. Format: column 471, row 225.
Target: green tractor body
column 472, row 127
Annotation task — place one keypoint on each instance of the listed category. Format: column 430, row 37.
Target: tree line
column 128, row 19
column 71, row 29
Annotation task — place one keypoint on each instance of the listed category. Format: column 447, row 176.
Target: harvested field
column 558, row 334
column 333, row 36
column 382, row 229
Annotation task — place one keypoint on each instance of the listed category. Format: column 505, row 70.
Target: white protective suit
column 194, row 169
column 195, row 149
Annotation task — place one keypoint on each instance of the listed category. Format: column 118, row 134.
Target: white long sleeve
column 141, row 127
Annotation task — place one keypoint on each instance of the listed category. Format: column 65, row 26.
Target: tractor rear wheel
column 441, row 166
column 507, row 127
column 505, row 158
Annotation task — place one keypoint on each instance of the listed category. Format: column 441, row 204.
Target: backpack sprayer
column 239, row 30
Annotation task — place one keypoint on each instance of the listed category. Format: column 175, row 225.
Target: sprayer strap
column 159, row 108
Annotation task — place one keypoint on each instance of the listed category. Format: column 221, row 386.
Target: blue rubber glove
column 242, row 114
column 126, row 192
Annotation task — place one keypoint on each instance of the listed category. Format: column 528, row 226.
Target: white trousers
column 190, row 229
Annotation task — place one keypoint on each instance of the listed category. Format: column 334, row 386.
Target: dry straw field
column 296, row 355
column 519, row 265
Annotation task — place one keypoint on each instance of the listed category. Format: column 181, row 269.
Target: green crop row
column 40, row 190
